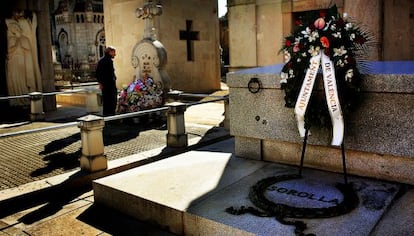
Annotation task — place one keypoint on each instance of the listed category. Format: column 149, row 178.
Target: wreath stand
column 303, row 156
column 266, row 208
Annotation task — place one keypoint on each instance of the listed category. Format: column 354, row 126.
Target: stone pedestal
column 378, row 135
column 36, row 106
column 93, row 158
column 176, row 136
column 92, row 105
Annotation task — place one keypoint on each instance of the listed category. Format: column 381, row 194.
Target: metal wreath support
column 305, row 139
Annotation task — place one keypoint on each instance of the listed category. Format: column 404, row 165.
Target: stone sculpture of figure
column 147, row 13
column 23, row 72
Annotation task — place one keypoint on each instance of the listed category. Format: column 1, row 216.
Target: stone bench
column 379, row 136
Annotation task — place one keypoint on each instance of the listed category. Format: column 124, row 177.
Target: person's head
column 111, row 51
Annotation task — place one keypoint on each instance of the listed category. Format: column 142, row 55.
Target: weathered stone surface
column 374, row 198
column 248, row 147
column 122, row 29
column 392, row 168
column 162, row 191
column 380, row 126
column 188, row 194
column 399, row 217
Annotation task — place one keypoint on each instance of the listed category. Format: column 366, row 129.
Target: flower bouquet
column 139, row 95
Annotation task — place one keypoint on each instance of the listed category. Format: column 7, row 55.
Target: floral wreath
column 342, row 41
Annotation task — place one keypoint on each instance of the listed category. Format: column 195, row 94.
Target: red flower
column 298, row 22
column 325, row 42
column 288, row 43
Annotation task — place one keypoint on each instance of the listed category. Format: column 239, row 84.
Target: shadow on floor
column 113, row 222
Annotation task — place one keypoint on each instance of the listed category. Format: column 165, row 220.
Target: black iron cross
column 190, row 36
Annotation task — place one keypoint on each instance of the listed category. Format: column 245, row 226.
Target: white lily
column 306, row 32
column 314, row 35
column 313, row 51
column 291, row 73
column 287, row 56
column 297, row 39
column 284, row 77
column 349, row 74
column 340, row 63
column 339, row 51
column 337, row 34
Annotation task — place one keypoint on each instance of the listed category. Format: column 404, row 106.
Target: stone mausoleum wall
column 379, row 137
column 200, row 73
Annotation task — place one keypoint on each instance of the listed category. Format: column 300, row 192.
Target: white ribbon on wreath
column 331, row 94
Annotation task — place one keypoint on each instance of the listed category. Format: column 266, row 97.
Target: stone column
column 176, row 136
column 93, row 158
column 36, row 106
column 45, row 53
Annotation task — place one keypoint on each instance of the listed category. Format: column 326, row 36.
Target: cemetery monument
column 150, row 81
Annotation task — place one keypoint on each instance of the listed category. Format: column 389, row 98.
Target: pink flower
column 296, row 47
column 319, row 23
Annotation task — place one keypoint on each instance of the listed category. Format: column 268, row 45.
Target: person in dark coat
column 105, row 74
